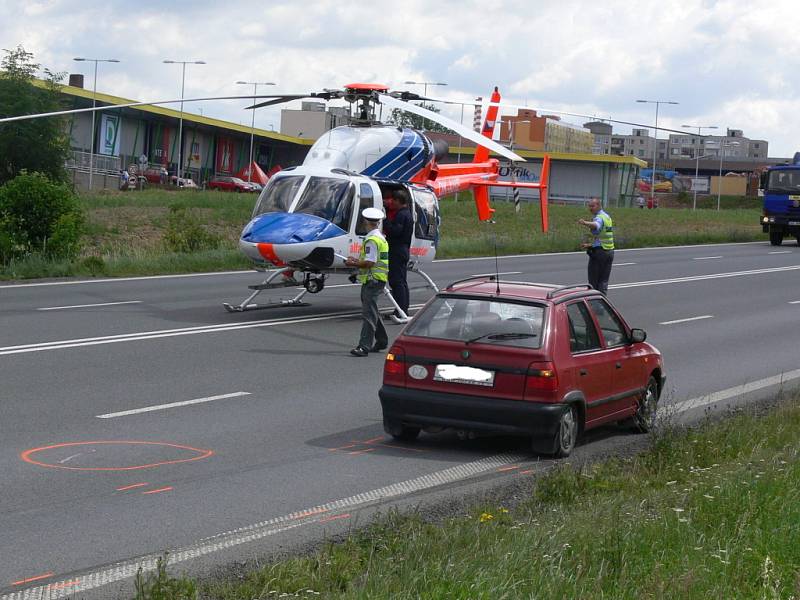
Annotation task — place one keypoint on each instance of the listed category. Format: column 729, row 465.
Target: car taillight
column 394, row 367
column 541, row 377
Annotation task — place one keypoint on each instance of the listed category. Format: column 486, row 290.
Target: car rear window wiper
column 502, row 336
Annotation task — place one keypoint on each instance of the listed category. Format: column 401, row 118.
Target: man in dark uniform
column 398, row 233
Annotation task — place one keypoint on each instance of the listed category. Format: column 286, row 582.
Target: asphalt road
column 273, row 430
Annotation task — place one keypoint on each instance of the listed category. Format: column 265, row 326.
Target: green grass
column 125, row 232
column 705, row 513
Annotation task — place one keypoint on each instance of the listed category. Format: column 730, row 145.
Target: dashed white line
column 780, row 252
column 624, row 264
column 705, row 257
column 136, row 411
column 794, row 302
column 687, row 320
column 90, row 305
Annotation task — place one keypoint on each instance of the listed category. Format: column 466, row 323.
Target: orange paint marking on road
column 65, row 584
column 526, row 472
column 130, row 487
column 164, row 489
column 373, row 440
column 201, row 454
column 335, row 517
column 36, row 578
column 508, row 468
column 309, row 513
column 364, row 451
column 401, row 448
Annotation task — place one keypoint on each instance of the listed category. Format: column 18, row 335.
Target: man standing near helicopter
column 399, row 230
column 373, row 266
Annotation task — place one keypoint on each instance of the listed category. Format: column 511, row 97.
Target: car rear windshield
column 481, row 320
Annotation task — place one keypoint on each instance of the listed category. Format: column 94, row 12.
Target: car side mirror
column 638, row 336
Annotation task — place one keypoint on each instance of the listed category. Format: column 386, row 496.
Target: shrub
column 185, row 232
column 40, row 216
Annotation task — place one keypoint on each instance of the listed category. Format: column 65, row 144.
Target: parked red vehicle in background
column 229, row 184
column 521, row 359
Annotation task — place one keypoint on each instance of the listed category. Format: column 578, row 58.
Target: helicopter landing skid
column 248, row 304
column 403, row 317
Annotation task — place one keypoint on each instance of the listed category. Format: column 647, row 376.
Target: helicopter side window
column 427, row 226
column 328, row 198
column 367, row 201
column 278, row 194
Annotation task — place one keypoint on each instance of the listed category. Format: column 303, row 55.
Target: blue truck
column 781, row 214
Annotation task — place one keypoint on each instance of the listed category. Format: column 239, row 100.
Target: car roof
column 491, row 286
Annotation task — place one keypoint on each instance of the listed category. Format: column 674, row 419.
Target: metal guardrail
column 101, row 163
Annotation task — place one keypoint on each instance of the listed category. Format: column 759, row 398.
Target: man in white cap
column 373, row 265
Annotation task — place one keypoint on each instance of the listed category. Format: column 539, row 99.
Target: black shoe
column 359, row 351
column 378, row 347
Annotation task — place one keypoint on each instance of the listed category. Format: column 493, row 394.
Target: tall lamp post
column 722, row 145
column 424, row 85
column 655, row 145
column 183, row 64
column 697, row 158
column 255, row 85
column 94, row 102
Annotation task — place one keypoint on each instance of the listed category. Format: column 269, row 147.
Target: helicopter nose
column 289, row 228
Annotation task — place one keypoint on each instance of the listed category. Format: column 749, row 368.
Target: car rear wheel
column 645, row 418
column 567, row 434
column 401, row 432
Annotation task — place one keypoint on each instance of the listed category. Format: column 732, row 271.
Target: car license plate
column 468, row 375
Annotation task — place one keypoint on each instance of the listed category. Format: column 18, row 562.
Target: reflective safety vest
column 606, row 234
column 380, row 270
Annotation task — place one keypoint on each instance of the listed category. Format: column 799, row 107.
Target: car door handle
column 619, row 365
column 584, row 372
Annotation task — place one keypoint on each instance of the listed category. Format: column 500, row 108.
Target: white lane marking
column 70, row 458
column 686, row 320
column 738, row 390
column 136, row 411
column 148, row 335
column 500, row 273
column 702, row 277
column 794, row 302
column 623, row 264
column 705, row 257
column 780, row 252
column 441, row 260
column 230, row 539
column 90, row 305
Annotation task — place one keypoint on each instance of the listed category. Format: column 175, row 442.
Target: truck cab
column 781, row 208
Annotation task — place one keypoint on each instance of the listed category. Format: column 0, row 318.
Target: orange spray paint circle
column 199, row 454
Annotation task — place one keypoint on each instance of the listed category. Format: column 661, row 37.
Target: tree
column 403, row 118
column 35, row 145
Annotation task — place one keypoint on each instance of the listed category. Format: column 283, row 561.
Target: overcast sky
column 730, row 63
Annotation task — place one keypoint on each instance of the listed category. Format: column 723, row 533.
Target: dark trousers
column 398, row 270
column 371, row 326
column 600, row 268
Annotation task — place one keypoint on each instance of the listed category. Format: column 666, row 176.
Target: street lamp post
column 255, row 85
column 424, row 85
column 697, row 158
column 722, row 145
column 655, row 146
column 183, row 64
column 94, row 102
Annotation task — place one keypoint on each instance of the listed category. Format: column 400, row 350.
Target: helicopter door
column 426, row 224
column 366, row 199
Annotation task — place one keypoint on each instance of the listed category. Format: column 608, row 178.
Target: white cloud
column 726, row 62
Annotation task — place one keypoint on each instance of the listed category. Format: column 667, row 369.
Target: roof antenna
column 496, row 267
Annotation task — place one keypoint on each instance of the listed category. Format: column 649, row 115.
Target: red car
column 522, row 359
column 229, row 184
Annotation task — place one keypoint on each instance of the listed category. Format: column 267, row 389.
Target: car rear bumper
column 470, row 413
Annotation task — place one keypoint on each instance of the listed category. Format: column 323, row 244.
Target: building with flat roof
column 530, row 131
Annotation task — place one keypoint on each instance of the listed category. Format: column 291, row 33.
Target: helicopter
column 308, row 218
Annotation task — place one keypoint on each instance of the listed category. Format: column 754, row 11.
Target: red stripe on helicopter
column 268, row 252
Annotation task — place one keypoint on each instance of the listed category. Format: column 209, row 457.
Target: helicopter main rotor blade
column 464, row 132
column 326, row 95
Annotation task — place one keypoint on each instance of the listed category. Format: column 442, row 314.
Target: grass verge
column 127, row 232
column 710, row 512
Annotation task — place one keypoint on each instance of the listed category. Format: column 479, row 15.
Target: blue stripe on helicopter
column 412, row 160
column 407, row 140
column 289, row 228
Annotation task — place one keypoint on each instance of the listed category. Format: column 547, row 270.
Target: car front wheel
column 567, row 434
column 645, row 418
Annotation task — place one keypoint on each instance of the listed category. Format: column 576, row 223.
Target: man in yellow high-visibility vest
column 373, row 273
column 601, row 249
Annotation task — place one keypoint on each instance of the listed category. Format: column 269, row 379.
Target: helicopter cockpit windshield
column 278, row 194
column 328, row 198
